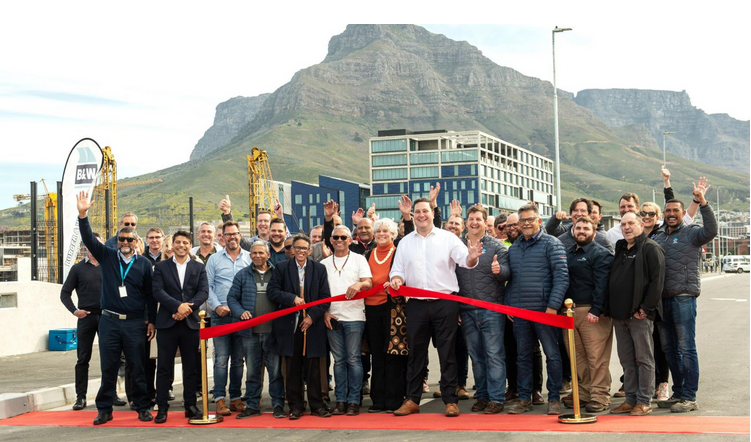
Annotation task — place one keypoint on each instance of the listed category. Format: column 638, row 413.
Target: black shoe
column 145, row 416
column 80, row 404
column 171, row 395
column 192, row 412
column 102, row 417
column 248, row 412
column 375, row 409
column 295, row 414
column 161, row 416
column 133, row 406
column 353, row 410
column 119, row 402
column 340, row 409
column 279, row 412
column 321, row 412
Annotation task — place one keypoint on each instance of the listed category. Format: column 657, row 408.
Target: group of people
column 640, row 280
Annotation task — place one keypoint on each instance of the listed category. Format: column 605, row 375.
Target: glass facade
column 390, row 146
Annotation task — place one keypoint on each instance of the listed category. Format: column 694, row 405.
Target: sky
column 145, row 77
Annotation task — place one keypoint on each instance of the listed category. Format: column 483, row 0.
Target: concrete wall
column 38, row 311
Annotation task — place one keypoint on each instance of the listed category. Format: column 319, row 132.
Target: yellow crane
column 107, row 181
column 261, row 190
column 50, row 230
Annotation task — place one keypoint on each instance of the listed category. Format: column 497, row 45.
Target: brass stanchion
column 577, row 417
column 207, row 418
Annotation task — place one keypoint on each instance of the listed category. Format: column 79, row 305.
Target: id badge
column 123, row 291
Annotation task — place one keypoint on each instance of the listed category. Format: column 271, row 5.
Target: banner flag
column 80, row 174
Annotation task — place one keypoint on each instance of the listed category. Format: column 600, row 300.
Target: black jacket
column 167, row 291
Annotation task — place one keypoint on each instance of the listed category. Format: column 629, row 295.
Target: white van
column 736, row 264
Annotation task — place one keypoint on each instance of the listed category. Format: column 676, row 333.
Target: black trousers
column 294, row 378
column 149, row 366
column 510, row 343
column 462, row 358
column 662, row 371
column 170, row 339
column 86, row 331
column 388, row 380
column 115, row 337
column 438, row 319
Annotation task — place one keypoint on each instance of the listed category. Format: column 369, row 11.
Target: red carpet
column 420, row 422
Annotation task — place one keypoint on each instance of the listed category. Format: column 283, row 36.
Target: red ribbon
column 412, row 292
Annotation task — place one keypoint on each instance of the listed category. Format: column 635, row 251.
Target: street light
column 664, row 149
column 555, row 120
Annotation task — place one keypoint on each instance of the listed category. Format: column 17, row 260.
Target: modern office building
column 472, row 167
column 307, row 201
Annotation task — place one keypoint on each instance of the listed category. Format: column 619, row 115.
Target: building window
column 389, row 146
column 423, row 158
column 318, row 198
column 313, row 211
column 426, row 187
column 390, row 174
column 470, row 198
column 401, row 188
column 464, row 185
column 424, row 172
column 416, row 187
column 310, row 198
column 459, row 156
column 473, row 169
column 298, row 199
column 389, row 160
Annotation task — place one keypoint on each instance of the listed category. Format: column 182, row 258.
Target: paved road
column 722, row 339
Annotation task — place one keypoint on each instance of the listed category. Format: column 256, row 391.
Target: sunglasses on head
column 125, row 239
column 649, row 214
column 339, row 237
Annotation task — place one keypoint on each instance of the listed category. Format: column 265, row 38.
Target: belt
column 118, row 315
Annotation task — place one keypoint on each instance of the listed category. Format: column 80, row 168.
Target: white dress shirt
column 429, row 262
column 181, row 269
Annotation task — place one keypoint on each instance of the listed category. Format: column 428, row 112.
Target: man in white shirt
column 348, row 273
column 427, row 259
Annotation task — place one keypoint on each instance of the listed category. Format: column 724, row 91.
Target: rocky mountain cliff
column 715, row 139
column 231, row 116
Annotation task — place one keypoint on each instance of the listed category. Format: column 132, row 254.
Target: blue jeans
column 255, row 355
column 228, row 351
column 483, row 332
column 526, row 332
column 678, row 336
column 345, row 346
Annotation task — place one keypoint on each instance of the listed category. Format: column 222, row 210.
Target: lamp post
column 719, row 229
column 664, row 149
column 555, row 120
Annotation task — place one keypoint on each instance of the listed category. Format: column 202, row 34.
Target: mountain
column 715, row 139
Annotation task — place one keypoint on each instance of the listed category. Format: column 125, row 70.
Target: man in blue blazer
column 300, row 337
column 180, row 286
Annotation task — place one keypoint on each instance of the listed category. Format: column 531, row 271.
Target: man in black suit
column 181, row 286
column 300, row 337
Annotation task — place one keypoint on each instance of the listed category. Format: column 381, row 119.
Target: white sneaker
column 425, row 387
column 662, row 392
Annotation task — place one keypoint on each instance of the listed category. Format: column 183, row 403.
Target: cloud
column 73, row 98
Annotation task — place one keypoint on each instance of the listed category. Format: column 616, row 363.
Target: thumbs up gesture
column 495, row 267
column 225, row 205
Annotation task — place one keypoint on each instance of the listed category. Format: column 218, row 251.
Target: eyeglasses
column 300, row 249
column 527, row 220
column 232, row 234
column 129, row 224
column 153, row 237
column 512, row 225
column 649, row 214
column 500, row 226
column 125, row 239
column 339, row 237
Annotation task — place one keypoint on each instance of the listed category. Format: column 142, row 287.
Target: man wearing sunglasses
column 126, row 295
column 127, row 219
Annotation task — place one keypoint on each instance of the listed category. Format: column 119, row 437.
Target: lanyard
column 123, row 275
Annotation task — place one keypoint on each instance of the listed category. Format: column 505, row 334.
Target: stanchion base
column 572, row 419
column 210, row 419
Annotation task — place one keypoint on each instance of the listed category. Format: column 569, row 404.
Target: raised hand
column 405, row 206
column 372, row 212
column 475, row 250
column 456, row 208
column 665, row 176
column 495, row 267
column 83, row 204
column 357, row 216
column 700, row 190
column 561, row 215
column 434, row 191
column 225, row 205
column 330, row 208
column 278, row 210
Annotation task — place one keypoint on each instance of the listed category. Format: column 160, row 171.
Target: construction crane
column 261, row 190
column 107, row 181
column 50, row 229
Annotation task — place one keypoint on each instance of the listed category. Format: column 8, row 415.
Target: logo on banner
column 86, row 169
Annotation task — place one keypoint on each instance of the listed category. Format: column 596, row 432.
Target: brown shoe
column 595, row 407
column 641, row 410
column 622, row 409
column 340, row 409
column 568, row 400
column 236, row 405
column 620, row 393
column 461, row 393
column 407, row 408
column 479, row 405
column 452, row 410
column 437, row 394
column 554, row 408
column 537, row 398
column 493, row 408
column 353, row 409
column 511, row 396
column 222, row 409
column 521, row 406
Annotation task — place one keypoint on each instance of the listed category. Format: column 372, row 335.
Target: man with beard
column 578, row 208
column 588, row 269
column 427, row 259
column 633, row 301
column 180, row 286
column 277, row 235
column 128, row 313
column 288, row 248
column 228, row 349
column 683, row 246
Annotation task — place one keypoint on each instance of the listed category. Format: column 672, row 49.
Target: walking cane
column 305, row 333
column 206, row 418
column 577, row 417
